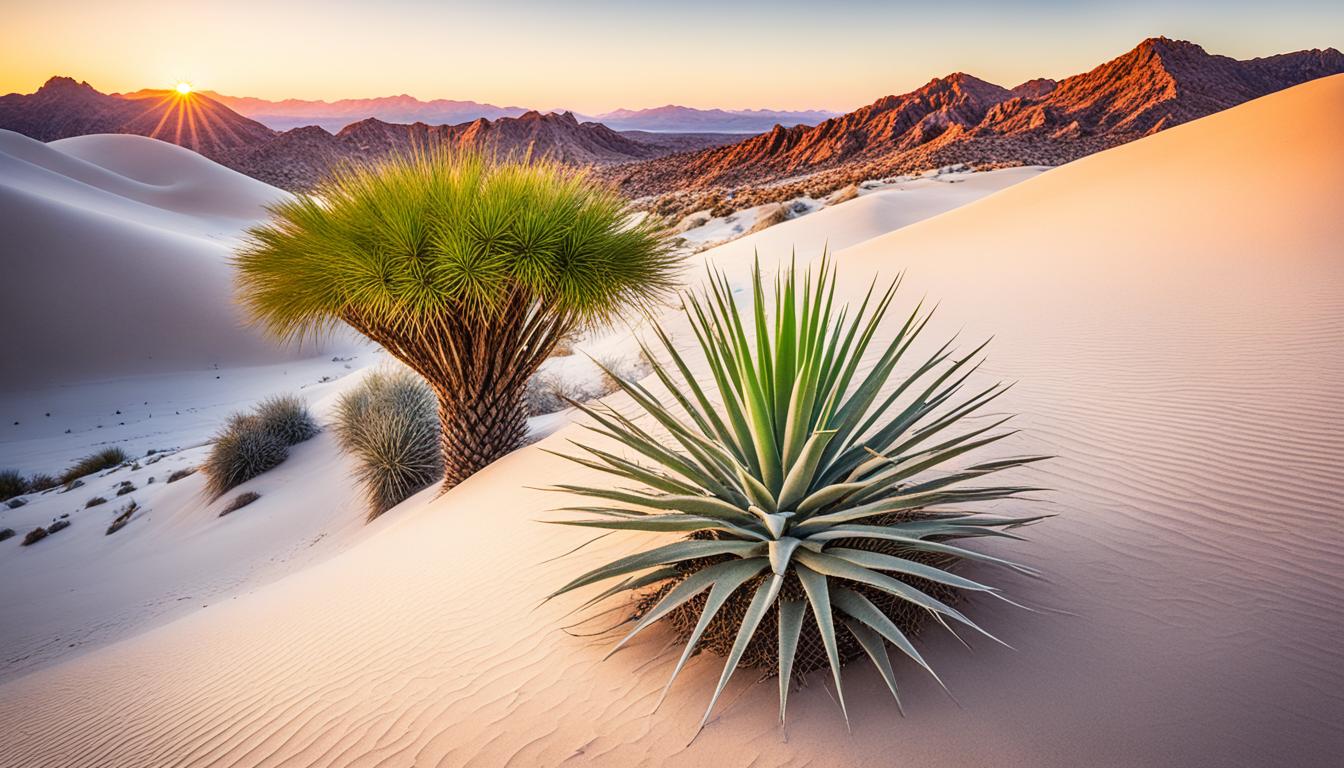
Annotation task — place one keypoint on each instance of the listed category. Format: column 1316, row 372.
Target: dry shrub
column 239, row 501
column 243, row 449
column 94, row 462
column 287, row 418
column 390, row 425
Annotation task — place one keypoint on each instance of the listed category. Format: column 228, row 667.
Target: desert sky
column 597, row 55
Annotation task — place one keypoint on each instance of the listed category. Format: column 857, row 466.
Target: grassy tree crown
column 442, row 232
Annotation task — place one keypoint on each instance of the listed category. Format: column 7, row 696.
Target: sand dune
column 1172, row 311
column 120, row 243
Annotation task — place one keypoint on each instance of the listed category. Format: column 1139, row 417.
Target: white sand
column 1172, row 311
column 79, row 590
column 120, row 244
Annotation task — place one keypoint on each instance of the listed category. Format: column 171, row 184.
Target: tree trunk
column 478, row 428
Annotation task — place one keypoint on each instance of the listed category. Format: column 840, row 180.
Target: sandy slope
column 1172, row 310
column 79, row 590
column 879, row 208
column 120, row 243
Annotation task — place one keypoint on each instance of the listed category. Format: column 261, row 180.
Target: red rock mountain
column 954, row 119
column 961, row 119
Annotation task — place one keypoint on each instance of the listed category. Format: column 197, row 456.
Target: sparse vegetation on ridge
column 467, row 270
column 802, row 486
column 242, row 450
column 11, row 484
column 94, row 462
column 390, row 425
column 253, row 443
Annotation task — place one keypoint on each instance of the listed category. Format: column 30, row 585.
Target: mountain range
column 335, row 115
column 963, row 119
column 297, row 158
column 956, row 119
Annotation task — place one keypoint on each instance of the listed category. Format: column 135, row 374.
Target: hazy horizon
column 597, row 56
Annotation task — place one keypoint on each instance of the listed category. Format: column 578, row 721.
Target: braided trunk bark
column 479, row 427
column 478, row 367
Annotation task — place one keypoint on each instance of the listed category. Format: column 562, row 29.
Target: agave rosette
column 791, row 459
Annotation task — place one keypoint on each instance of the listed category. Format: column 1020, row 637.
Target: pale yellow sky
column 597, row 55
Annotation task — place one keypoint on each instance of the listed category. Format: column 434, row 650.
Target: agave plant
column 804, row 486
column 467, row 269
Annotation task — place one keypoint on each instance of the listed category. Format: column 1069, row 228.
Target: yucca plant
column 804, row 486
column 466, row 269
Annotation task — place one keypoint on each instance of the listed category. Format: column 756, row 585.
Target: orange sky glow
column 594, row 55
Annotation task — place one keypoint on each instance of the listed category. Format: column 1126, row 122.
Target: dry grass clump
column 255, row 442
column 95, row 501
column 11, row 484
column 239, row 501
column 550, row 391
column 123, row 517
column 126, row 487
column 42, row 482
column 94, row 462
column 243, row 449
column 6, row 533
column 390, row 425
column 287, row 418
column 37, row 534
column 178, row 474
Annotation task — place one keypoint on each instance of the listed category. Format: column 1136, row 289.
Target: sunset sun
column 183, row 88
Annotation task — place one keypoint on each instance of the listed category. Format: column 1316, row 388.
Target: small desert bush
column 808, row 483
column 123, row 517
column 252, row 443
column 95, row 501
column 287, row 418
column 178, row 474
column 390, row 424
column 242, row 450
column 239, row 501
column 42, row 482
column 37, row 534
column 94, row 462
column 11, row 484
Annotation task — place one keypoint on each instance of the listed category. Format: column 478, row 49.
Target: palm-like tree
column 467, row 269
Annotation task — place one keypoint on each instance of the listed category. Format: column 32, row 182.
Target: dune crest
column 121, row 243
